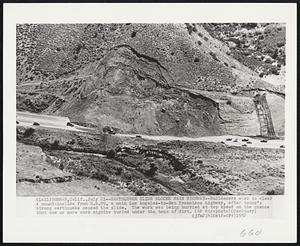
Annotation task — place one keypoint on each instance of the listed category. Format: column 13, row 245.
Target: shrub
column 280, row 44
column 189, row 28
column 55, row 144
column 71, row 141
column 127, row 175
column 100, row 176
column 213, row 55
column 119, row 170
column 148, row 169
column 153, row 168
column 274, row 70
column 140, row 192
column 271, row 192
column 28, row 132
column 133, row 34
column 111, row 154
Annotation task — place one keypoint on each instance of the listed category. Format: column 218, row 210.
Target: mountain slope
column 136, row 77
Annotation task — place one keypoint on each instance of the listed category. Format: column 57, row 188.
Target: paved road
column 27, row 119
column 226, row 139
column 58, row 122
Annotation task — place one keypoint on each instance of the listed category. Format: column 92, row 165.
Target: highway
column 230, row 140
column 49, row 121
column 59, row 122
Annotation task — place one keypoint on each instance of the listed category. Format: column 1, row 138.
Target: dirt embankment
column 36, row 176
column 146, row 167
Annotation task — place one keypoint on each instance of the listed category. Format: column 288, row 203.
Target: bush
column 153, row 168
column 133, row 34
column 189, row 28
column 71, row 141
column 148, row 169
column 213, row 55
column 55, row 144
column 274, row 70
column 140, row 192
column 280, row 44
column 119, row 170
column 28, row 132
column 111, row 154
column 100, row 176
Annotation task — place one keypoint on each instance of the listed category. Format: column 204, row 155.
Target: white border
column 18, row 229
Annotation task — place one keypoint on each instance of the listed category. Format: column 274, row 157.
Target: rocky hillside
column 139, row 78
column 259, row 46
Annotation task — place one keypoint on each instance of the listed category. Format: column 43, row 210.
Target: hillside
column 259, row 46
column 142, row 78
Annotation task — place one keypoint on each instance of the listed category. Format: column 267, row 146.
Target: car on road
column 245, row 139
column 70, row 124
column 264, row 141
column 109, row 130
column 138, row 136
column 17, row 122
column 36, row 123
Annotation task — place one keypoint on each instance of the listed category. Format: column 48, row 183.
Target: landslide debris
column 128, row 76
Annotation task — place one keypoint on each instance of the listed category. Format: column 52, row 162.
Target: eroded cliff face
column 132, row 92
